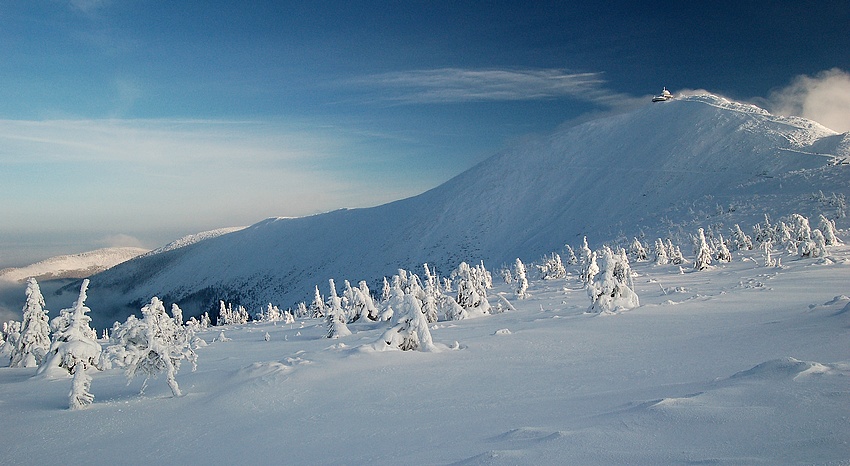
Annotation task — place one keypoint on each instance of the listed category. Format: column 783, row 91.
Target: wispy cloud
column 452, row 85
column 89, row 6
column 824, row 97
column 129, row 175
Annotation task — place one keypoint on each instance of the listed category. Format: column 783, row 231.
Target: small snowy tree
column 430, row 301
column 385, row 291
column 818, row 244
column 827, row 228
column 506, row 274
column 153, row 345
column 335, row 318
column 660, row 251
column 471, row 290
column 571, row 255
column 317, row 307
column 34, row 340
column 740, row 240
column 588, row 264
column 767, row 249
column 177, row 313
column 552, row 267
column 674, row 253
column 301, row 311
column 637, row 251
column 703, row 253
column 764, row 232
column 74, row 349
column 411, row 332
column 721, row 252
column 610, row 289
column 521, row 280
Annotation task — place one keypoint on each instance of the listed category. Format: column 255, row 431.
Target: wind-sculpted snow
column 660, row 170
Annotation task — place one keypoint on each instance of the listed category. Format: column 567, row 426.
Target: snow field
column 739, row 363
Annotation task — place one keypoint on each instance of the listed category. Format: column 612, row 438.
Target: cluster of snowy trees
column 606, row 273
column 408, row 303
column 67, row 346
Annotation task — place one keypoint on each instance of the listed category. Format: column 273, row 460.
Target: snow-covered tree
column 674, row 253
column 317, row 307
column 507, row 276
column 740, row 240
column 392, row 304
column 34, row 340
column 827, row 228
column 610, row 289
column 229, row 316
column 301, row 311
column 177, row 313
column 430, row 303
column 521, row 280
column 637, row 251
column 589, row 267
column 335, row 318
column 660, row 251
column 453, row 310
column 703, row 252
column 800, row 228
column 271, row 314
column 571, row 255
column 818, row 248
column 385, row 291
column 74, row 349
column 153, row 345
column 362, row 305
column 765, row 232
column 411, row 332
column 471, row 290
column 10, row 335
column 721, row 252
column 552, row 267
column 767, row 248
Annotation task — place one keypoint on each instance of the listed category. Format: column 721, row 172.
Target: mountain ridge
column 701, row 158
column 80, row 265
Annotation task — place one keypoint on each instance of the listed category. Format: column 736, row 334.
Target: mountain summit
column 659, row 170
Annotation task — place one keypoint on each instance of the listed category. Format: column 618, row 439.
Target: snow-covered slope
column 192, row 239
column 80, row 265
column 701, row 158
column 738, row 364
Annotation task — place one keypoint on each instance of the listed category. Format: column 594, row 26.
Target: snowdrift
column 703, row 158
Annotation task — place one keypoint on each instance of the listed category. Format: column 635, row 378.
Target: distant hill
column 80, row 265
column 660, row 171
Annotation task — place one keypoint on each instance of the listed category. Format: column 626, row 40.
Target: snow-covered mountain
column 659, row 170
column 80, row 265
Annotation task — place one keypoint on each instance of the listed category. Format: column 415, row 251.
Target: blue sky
column 134, row 122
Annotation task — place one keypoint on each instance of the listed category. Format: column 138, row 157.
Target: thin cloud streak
column 454, row 85
column 133, row 174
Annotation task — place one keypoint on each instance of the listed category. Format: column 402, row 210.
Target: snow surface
column 662, row 170
column 737, row 364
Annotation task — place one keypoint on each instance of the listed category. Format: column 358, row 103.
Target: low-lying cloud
column 824, row 97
